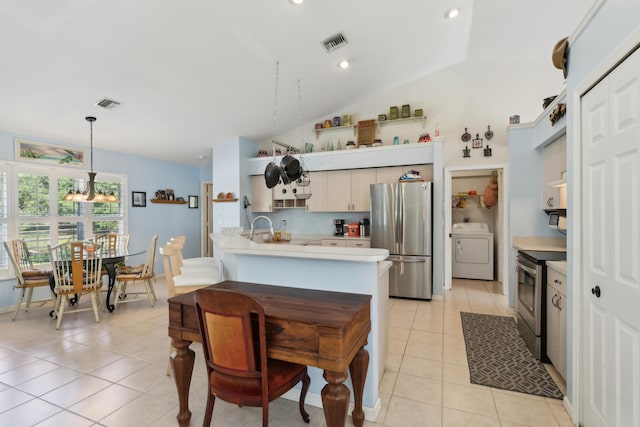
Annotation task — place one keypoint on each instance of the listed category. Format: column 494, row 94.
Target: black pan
column 292, row 167
column 272, row 175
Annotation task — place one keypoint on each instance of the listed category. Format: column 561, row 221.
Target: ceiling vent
column 334, row 42
column 107, row 104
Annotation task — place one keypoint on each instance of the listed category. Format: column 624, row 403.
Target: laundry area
column 474, row 216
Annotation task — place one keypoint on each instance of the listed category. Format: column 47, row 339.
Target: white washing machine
column 472, row 246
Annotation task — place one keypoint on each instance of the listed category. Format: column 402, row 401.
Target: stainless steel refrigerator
column 401, row 222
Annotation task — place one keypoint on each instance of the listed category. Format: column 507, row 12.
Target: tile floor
column 113, row 373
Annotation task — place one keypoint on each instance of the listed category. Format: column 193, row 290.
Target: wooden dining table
column 317, row 328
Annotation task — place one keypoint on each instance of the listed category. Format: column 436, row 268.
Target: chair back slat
column 112, row 242
column 150, row 262
column 77, row 266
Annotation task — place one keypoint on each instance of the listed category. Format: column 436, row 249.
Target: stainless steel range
column 530, row 305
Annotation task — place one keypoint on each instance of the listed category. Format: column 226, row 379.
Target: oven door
column 530, row 294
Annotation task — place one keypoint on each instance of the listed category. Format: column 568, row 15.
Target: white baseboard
column 569, row 408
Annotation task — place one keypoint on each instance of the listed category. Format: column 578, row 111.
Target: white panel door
column 611, row 249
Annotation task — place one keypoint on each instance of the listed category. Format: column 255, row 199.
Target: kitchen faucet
column 253, row 224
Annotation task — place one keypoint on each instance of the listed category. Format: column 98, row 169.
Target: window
column 40, row 216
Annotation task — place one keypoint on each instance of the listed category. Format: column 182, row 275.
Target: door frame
column 502, row 200
column 575, row 216
column 205, row 207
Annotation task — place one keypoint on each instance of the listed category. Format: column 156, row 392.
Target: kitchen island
column 354, row 270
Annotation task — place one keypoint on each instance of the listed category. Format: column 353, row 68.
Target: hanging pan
column 272, row 175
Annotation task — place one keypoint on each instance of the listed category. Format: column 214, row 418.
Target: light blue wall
column 144, row 174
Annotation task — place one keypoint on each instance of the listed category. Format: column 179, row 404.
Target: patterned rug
column 499, row 358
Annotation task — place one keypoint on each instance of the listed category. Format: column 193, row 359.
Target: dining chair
column 180, row 241
column 77, row 270
column 178, row 283
column 131, row 275
column 113, row 241
column 27, row 276
column 232, row 327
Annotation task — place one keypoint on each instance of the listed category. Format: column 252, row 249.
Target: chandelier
column 90, row 194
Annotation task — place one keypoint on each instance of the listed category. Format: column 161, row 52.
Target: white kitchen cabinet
column 349, row 190
column 554, row 165
column 338, row 243
column 557, row 320
column 393, row 173
column 261, row 196
column 319, row 192
column 359, row 243
column 389, row 174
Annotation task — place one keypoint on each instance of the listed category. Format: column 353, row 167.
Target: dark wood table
column 316, row 328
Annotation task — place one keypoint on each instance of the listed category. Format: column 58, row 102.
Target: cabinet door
column 388, row 175
column 361, row 179
column 426, row 171
column 261, row 196
column 358, row 244
column 339, row 243
column 553, row 164
column 561, row 364
column 318, row 189
column 339, row 191
column 552, row 326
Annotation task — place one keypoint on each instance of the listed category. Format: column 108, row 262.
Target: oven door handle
column 527, row 269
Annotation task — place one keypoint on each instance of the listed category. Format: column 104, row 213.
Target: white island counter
column 354, row 270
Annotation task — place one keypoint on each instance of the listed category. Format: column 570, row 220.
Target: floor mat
column 499, row 358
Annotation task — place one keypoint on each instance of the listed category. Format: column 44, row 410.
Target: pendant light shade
column 90, row 194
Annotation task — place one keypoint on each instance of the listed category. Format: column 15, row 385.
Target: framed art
column 193, row 202
column 138, row 199
column 39, row 152
column 477, row 142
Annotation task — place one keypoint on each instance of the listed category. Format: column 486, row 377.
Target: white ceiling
column 193, row 73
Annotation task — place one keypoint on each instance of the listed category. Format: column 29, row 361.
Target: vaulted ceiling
column 189, row 74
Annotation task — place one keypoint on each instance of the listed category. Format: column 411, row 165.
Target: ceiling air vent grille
column 107, row 104
column 334, row 42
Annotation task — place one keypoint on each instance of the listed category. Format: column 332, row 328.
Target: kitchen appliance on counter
column 401, row 222
column 531, row 271
column 338, row 225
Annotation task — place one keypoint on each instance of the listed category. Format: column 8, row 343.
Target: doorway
column 206, row 220
column 498, row 217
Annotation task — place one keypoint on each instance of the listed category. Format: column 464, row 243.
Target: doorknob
column 596, row 291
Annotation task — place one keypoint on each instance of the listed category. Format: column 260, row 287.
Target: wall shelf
column 225, row 200
column 423, row 119
column 169, row 202
column 343, row 128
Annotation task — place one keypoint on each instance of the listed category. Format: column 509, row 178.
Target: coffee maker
column 338, row 225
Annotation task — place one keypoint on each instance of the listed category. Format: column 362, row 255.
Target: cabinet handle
column 553, row 300
column 558, row 302
column 557, row 282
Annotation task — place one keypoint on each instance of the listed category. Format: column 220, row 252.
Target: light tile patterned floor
column 113, row 373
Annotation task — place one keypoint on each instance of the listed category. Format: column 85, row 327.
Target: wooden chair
column 178, row 283
column 180, row 241
column 131, row 275
column 232, row 325
column 113, row 241
column 77, row 270
column 27, row 276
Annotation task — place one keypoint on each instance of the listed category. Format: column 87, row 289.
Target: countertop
column 299, row 247
column 559, row 266
column 532, row 243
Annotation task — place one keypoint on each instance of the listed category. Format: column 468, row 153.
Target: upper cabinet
column 319, row 192
column 348, row 190
column 262, row 197
column 393, row 173
column 554, row 166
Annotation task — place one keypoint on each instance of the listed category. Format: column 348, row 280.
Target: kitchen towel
column 499, row 358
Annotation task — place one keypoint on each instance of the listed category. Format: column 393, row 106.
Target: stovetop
column 540, row 257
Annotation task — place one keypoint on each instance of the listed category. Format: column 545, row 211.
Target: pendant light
column 90, row 194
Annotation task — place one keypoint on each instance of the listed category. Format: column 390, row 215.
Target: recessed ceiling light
column 296, row 2
column 452, row 13
column 344, row 64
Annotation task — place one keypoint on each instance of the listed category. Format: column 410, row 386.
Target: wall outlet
column 284, row 222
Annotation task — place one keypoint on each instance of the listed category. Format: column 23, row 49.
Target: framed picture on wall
column 138, row 199
column 193, row 202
